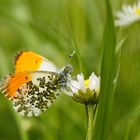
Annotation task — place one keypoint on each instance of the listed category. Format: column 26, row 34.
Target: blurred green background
column 48, row 28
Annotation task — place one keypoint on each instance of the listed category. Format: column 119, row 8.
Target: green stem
column 132, row 119
column 75, row 45
column 90, row 108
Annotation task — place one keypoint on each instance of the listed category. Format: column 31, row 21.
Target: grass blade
column 132, row 119
column 103, row 118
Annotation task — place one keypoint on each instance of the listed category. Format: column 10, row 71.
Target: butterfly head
column 65, row 75
column 68, row 69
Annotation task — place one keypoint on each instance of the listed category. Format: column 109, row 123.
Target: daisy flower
column 128, row 15
column 85, row 91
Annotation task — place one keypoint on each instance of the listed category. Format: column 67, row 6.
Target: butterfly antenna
column 69, row 58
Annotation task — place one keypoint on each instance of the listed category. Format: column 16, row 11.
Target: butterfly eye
column 68, row 69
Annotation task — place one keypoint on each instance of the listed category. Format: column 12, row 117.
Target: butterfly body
column 33, row 88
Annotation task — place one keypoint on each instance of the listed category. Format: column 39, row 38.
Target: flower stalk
column 86, row 92
column 90, row 109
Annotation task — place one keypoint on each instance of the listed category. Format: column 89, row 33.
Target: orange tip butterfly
column 35, row 84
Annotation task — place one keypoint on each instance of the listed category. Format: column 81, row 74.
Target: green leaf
column 131, row 121
column 108, row 72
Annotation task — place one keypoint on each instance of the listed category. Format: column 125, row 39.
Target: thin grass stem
column 90, row 109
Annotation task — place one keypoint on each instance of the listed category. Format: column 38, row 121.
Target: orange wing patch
column 28, row 61
column 11, row 83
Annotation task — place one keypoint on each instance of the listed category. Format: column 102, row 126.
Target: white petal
column 127, row 15
column 80, row 78
column 97, row 84
column 94, row 82
column 75, row 86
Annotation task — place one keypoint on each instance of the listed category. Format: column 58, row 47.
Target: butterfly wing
column 31, row 92
column 30, row 61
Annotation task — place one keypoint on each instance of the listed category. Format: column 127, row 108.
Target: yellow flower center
column 137, row 11
column 86, row 82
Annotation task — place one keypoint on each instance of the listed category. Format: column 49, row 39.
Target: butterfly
column 36, row 83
